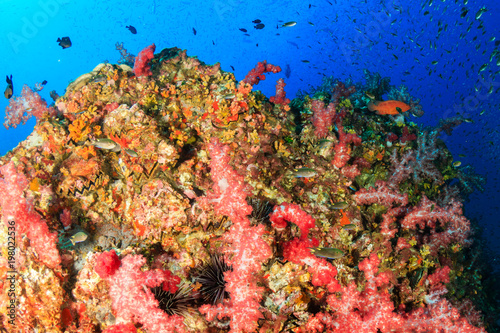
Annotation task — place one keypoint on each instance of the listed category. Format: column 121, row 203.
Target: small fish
column 305, row 173
column 461, row 155
column 229, row 96
column 464, row 12
column 194, row 31
column 305, row 61
column 323, row 143
column 10, row 87
column 434, row 62
column 78, row 237
column 132, row 29
column 256, row 21
column 483, row 67
column 288, row 24
column 350, row 226
column 259, row 26
column 243, row 29
column 105, row 144
column 130, row 152
column 481, row 12
column 340, row 205
column 232, row 67
column 370, row 95
column 327, row 252
column 456, row 164
column 64, row 42
column 310, row 23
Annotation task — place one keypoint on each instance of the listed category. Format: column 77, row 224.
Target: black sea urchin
column 260, row 210
column 211, row 277
column 179, row 303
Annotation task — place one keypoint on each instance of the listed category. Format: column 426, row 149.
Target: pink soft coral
column 132, row 300
column 372, row 310
column 428, row 213
column 381, row 194
column 19, row 212
column 29, row 104
column 248, row 248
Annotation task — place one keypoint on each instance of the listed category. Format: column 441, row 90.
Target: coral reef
column 172, row 198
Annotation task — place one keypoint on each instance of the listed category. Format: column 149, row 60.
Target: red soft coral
column 256, row 74
column 297, row 250
column 230, row 189
column 141, row 65
column 292, row 213
column 107, row 263
column 280, row 97
column 322, row 117
column 121, row 328
column 342, row 150
column 372, row 310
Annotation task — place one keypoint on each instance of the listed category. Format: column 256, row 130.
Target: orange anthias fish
column 388, row 107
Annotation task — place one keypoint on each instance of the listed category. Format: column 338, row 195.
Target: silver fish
column 327, row 252
column 132, row 153
column 340, row 205
column 105, row 144
column 78, row 237
column 350, row 226
column 305, row 173
column 289, row 24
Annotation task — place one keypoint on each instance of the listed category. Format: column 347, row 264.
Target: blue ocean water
column 445, row 52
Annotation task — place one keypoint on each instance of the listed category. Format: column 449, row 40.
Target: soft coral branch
column 22, row 108
column 372, row 309
column 248, row 248
column 19, row 210
column 132, row 300
column 297, row 250
column 428, row 213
